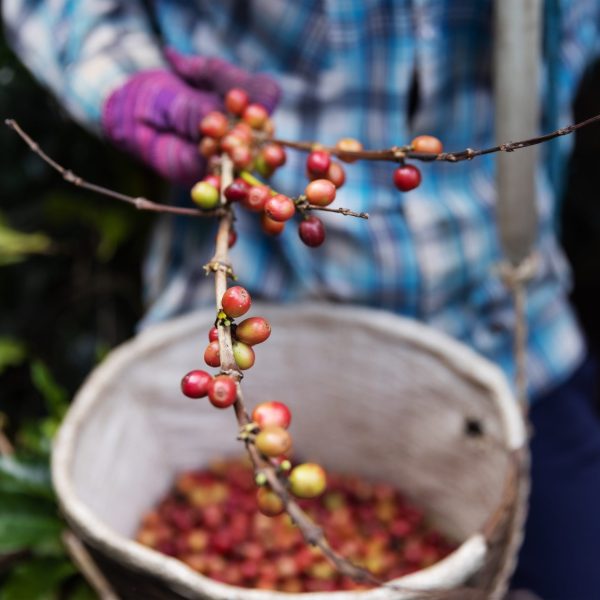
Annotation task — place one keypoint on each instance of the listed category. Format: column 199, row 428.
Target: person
column 143, row 74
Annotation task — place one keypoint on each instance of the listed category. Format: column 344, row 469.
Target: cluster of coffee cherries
column 245, row 135
column 407, row 177
column 269, row 432
column 209, row 520
column 222, row 389
column 270, row 420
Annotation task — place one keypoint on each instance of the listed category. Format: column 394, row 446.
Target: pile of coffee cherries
column 270, row 420
column 210, row 522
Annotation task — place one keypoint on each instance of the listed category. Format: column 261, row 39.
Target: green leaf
column 26, row 477
column 36, row 532
column 37, row 579
column 82, row 591
column 12, row 353
column 113, row 223
column 55, row 397
column 15, row 245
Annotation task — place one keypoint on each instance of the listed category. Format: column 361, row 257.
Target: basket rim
column 452, row 570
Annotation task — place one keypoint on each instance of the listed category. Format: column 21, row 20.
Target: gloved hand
column 155, row 114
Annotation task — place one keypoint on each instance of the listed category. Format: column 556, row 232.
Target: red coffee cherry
column 254, row 330
column 222, row 391
column 273, row 441
column 214, row 125
column 236, row 101
column 271, row 413
column 268, row 502
column 232, row 239
column 256, row 198
column 195, row 384
column 213, row 334
column 236, row 301
column 237, row 190
column 211, row 355
column 255, row 115
column 336, row 174
column 280, row 208
column 307, row 480
column 427, row 144
column 243, row 355
column 318, row 162
column 241, row 156
column 407, row 177
column 320, row 192
column 312, row 231
column 231, row 141
column 273, row 155
column 214, row 180
column 271, row 227
column 208, row 147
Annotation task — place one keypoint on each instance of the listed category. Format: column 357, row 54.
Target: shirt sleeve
column 82, row 49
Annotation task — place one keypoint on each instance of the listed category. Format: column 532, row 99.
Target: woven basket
column 371, row 393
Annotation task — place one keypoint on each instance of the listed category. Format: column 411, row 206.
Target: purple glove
column 155, row 114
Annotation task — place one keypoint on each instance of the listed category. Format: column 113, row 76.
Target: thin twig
column 137, row 202
column 312, row 533
column 399, row 153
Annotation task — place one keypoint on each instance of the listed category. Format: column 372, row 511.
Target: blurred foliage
column 70, row 290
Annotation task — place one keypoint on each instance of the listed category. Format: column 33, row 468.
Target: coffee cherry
column 273, row 441
column 211, row 355
column 407, row 177
column 222, row 391
column 237, row 190
column 318, row 162
column 232, row 239
column 268, row 502
column 271, row 227
column 254, row 330
column 243, row 131
column 208, row 147
column 336, row 174
column 231, row 141
column 195, row 384
column 349, row 145
column 205, row 195
column 307, row 480
column 271, row 413
column 214, row 180
column 255, row 115
column 214, row 125
column 320, row 192
column 262, row 168
column 280, row 208
column 243, row 355
column 236, row 301
column 256, row 198
column 312, row 231
column 241, row 156
column 236, row 101
column 273, row 155
column 213, row 334
column 427, row 144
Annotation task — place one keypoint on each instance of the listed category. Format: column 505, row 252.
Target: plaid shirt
column 346, row 68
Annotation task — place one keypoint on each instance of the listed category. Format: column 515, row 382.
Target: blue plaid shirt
column 346, row 68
